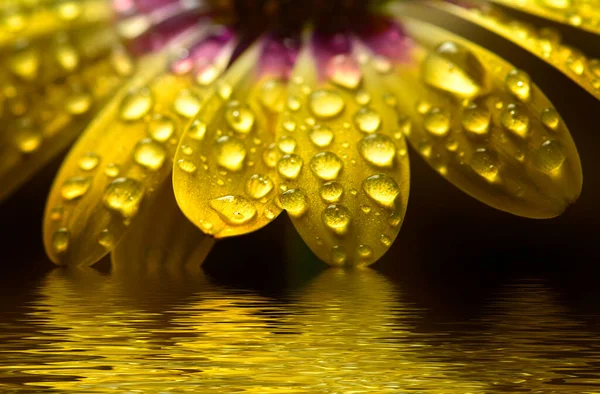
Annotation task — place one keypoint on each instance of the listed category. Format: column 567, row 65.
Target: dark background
column 452, row 250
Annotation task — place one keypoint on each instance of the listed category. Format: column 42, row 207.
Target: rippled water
column 341, row 332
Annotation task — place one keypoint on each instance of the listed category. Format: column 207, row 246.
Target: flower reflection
column 345, row 331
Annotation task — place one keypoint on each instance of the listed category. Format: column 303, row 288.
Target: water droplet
column 293, row 103
column 289, row 166
column 150, row 154
column 363, row 97
column 187, row 166
column 60, row 240
column 124, row 195
column 75, row 187
column 338, row 255
column 367, row 120
column 112, row 170
column 518, row 84
column 258, row 186
column 326, row 165
column 271, row 156
column 295, row 202
column 230, row 153
column 385, row 240
column 326, row 104
column 378, row 150
column 89, row 161
column 454, row 69
column 321, row 136
column 161, row 128
column 234, row 210
column 394, row 219
column 515, row 120
column 476, row 120
column 239, row 118
column 344, row 71
column 437, row 122
column 551, row 119
column 207, row 74
column 197, row 130
column 331, row 192
column 272, row 95
column 337, row 218
column 187, row 104
column 136, row 104
column 382, row 188
column 78, row 103
column 224, row 90
column 106, row 239
column 28, row 140
column 287, row 144
column 56, row 214
column 364, row 251
column 485, row 165
column 550, row 156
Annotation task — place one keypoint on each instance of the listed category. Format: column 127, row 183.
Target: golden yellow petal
column 26, row 20
column 160, row 239
column 545, row 43
column 224, row 174
column 344, row 172
column 118, row 164
column 485, row 126
column 50, row 89
column 584, row 14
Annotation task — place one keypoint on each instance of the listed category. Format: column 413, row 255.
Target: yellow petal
column 584, row 14
column 484, row 125
column 118, row 164
column 51, row 88
column 545, row 43
column 224, row 175
column 25, row 20
column 345, row 183
column 160, row 239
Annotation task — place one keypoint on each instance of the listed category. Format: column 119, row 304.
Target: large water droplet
column 289, row 166
column 230, row 153
column 326, row 104
column 150, row 154
column 550, row 157
column 337, row 218
column 321, row 136
column 378, row 150
column 338, row 255
column 476, row 120
column 89, row 161
column 136, row 104
column 187, row 166
column 518, row 84
column 331, row 192
column 485, row 164
column 382, row 188
column 515, row 120
column 187, row 104
column 295, row 202
column 326, row 165
column 161, row 128
column 106, row 239
column 367, row 120
column 239, row 118
column 454, row 69
column 272, row 95
column 437, row 122
column 234, row 210
column 75, row 187
column 259, row 186
column 197, row 130
column 124, row 196
column 28, row 139
column 287, row 144
column 551, row 119
column 60, row 240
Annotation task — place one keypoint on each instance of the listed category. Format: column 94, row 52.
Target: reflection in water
column 344, row 332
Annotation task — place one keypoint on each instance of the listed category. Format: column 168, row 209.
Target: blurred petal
column 545, row 43
column 345, row 171
column 118, row 164
column 584, row 14
column 224, row 176
column 26, row 20
column 485, row 126
column 51, row 88
column 161, row 238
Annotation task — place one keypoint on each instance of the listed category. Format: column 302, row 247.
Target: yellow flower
column 255, row 107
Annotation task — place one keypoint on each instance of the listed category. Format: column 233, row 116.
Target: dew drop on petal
column 338, row 255
column 234, row 210
column 187, row 166
column 515, row 120
column 60, row 240
column 437, row 122
column 326, row 165
column 123, row 195
column 161, row 128
column 136, row 104
column 485, row 164
column 551, row 119
column 295, row 202
column 187, row 104
column 367, row 120
column 150, row 154
column 289, row 166
column 321, row 136
column 75, row 187
column 518, row 84
column 378, row 150
column 550, row 157
column 476, row 120
column 239, row 118
column 258, row 186
column 326, row 104
column 331, row 192
column 231, row 153
column 106, row 239
column 382, row 189
column 337, row 218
